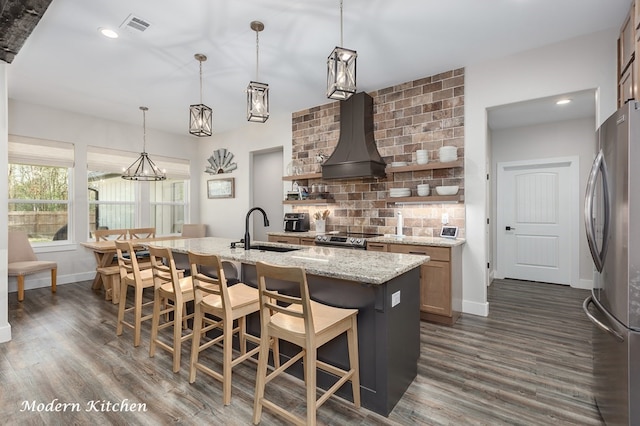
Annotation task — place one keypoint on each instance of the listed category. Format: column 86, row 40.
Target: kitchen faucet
column 247, row 237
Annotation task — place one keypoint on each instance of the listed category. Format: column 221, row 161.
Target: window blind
column 115, row 161
column 40, row 152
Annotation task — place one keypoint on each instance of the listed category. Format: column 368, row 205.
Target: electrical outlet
column 395, row 298
column 445, row 218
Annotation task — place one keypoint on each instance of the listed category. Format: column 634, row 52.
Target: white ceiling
column 543, row 110
column 66, row 64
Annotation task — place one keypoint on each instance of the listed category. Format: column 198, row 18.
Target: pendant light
column 341, row 70
column 257, row 93
column 143, row 168
column 200, row 115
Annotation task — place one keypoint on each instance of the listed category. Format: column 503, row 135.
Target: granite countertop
column 419, row 241
column 345, row 264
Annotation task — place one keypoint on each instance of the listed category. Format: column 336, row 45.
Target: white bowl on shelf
column 399, row 163
column 399, row 192
column 447, row 154
column 423, row 190
column 422, row 156
column 447, row 190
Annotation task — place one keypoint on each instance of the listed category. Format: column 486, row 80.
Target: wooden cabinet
column 306, row 241
column 376, row 247
column 627, row 86
column 626, row 42
column 628, row 49
column 440, row 281
column 286, row 239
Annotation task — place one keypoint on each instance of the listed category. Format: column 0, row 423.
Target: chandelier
column 143, row 168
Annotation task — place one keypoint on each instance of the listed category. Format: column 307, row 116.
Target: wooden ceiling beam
column 18, row 18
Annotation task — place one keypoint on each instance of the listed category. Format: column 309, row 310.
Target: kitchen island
column 384, row 287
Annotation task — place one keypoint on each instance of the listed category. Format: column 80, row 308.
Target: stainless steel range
column 353, row 240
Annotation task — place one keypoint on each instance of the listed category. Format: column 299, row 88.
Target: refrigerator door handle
column 599, row 167
column 597, row 322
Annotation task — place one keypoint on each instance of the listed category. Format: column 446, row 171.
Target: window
column 112, row 201
column 39, row 182
column 168, row 205
column 116, row 203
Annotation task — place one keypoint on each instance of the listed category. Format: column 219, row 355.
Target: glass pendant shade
column 341, row 73
column 257, row 102
column 200, row 119
column 143, row 168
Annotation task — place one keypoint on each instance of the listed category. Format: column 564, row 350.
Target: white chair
column 23, row 261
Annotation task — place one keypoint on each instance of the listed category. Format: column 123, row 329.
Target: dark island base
column 388, row 337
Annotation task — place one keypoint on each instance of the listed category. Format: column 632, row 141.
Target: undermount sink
column 273, row 248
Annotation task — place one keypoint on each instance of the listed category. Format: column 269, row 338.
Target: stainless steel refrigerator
column 612, row 220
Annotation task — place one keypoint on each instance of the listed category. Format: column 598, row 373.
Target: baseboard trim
column 5, row 333
column 475, row 308
column 583, row 284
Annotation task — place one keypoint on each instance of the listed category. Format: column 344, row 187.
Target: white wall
column 582, row 63
column 5, row 328
column 226, row 217
column 76, row 263
column 561, row 139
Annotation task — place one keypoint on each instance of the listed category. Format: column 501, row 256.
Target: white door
column 534, row 220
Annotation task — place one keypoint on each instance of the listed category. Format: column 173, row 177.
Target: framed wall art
column 220, row 188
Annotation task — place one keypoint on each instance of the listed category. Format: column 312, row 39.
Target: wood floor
column 528, row 363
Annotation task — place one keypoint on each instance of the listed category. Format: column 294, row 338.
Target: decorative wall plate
column 221, row 161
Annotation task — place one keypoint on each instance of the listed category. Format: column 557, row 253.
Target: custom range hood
column 356, row 154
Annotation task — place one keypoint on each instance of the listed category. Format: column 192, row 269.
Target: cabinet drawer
column 308, row 241
column 376, row 247
column 284, row 240
column 436, row 253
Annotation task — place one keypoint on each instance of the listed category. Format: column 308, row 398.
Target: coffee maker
column 296, row 222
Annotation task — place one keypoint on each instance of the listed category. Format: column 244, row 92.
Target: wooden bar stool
column 307, row 324
column 139, row 279
column 177, row 291
column 227, row 304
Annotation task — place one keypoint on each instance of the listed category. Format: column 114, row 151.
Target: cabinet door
column 435, row 277
column 626, row 43
column 283, row 239
column 626, row 87
column 435, row 288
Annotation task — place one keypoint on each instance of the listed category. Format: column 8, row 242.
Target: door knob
column 509, row 228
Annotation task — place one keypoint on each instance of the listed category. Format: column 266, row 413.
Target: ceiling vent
column 135, row 23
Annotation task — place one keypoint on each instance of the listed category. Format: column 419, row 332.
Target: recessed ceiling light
column 109, row 33
column 563, row 101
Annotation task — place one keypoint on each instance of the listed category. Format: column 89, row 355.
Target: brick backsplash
column 422, row 114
